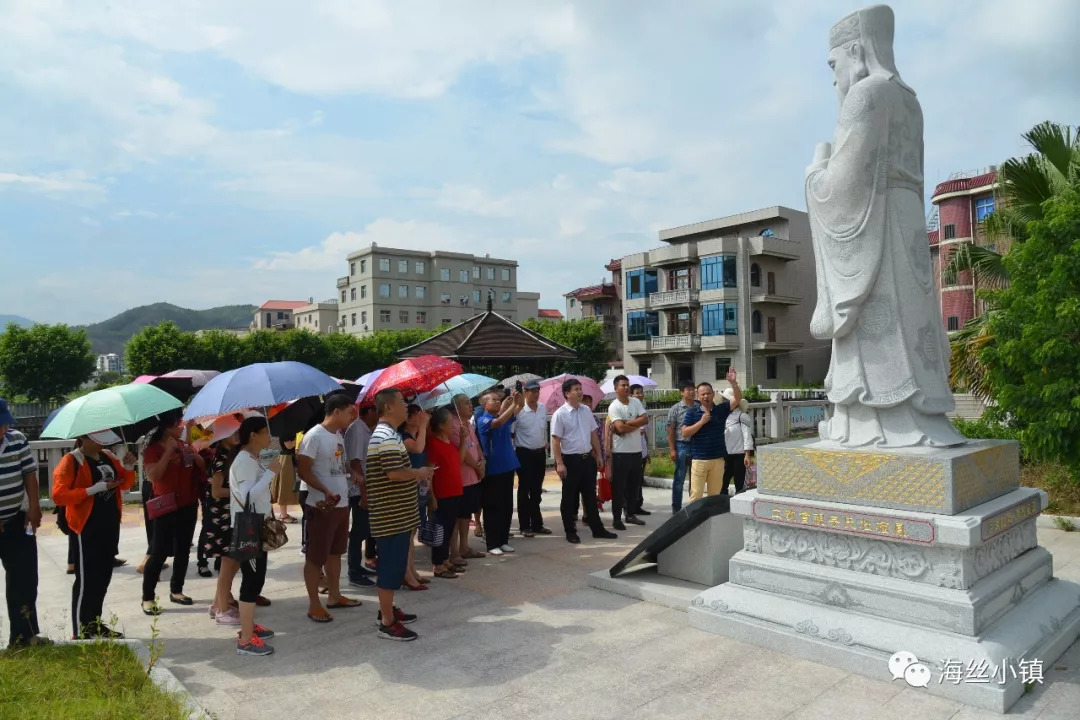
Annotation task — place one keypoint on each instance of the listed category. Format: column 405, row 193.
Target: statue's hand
column 822, row 153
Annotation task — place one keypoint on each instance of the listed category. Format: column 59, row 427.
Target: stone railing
column 673, row 297
column 674, row 342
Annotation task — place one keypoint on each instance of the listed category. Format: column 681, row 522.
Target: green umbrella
column 112, row 407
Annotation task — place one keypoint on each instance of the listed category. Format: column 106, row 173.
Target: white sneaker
column 495, row 551
column 507, row 549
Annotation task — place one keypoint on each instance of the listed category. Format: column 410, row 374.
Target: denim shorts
column 393, row 560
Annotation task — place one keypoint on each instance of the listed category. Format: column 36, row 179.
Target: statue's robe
column 888, row 377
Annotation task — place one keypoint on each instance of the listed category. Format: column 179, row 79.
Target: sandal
column 288, row 519
column 320, row 617
column 262, row 601
column 424, row 581
column 416, row 588
column 479, row 531
column 459, row 569
column 345, row 603
column 473, row 555
column 446, row 575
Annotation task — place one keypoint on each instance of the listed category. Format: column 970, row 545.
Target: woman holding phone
column 174, row 469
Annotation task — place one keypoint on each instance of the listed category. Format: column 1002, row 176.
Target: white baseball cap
column 105, row 438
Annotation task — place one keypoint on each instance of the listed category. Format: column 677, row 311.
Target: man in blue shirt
column 497, row 488
column 704, row 425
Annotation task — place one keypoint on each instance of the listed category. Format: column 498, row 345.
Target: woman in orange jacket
column 89, row 483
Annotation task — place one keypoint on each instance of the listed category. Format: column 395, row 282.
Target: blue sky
column 203, row 152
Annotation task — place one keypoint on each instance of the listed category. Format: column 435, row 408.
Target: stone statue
column 888, row 377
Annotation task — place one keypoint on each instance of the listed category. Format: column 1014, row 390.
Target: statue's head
column 861, row 45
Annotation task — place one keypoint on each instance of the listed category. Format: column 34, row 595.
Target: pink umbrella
column 551, row 394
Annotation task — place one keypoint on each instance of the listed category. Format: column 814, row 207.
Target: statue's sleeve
column 846, row 203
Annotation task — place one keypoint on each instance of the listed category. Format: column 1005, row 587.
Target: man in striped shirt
column 393, row 509
column 20, row 516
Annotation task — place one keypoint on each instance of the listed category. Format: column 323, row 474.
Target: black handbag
column 247, row 532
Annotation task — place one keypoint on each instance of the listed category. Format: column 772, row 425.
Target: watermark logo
column 904, row 665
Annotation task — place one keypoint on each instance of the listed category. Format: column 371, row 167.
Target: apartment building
column 963, row 203
column 317, row 317
column 394, row 289
column 603, row 303
column 277, row 314
column 734, row 292
column 110, row 362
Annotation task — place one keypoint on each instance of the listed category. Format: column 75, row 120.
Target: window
column 767, row 232
column 755, row 322
column 950, row 232
column 384, row 291
column 363, row 291
column 679, row 279
column 720, row 319
column 343, row 296
column 952, row 324
column 463, row 276
column 572, row 302
column 403, row 266
column 506, row 274
column 281, row 316
column 403, row 317
column 598, row 310
column 718, row 272
column 641, row 325
column 476, row 296
column 363, row 318
column 983, row 207
column 403, row 291
column 444, row 298
column 491, row 273
column 506, row 297
column 755, row 275
column 352, row 268
column 384, row 316
column 363, row 266
column 353, row 319
column 723, row 364
column 444, row 274
column 421, row 267
column 420, row 292
column 352, row 294
column 421, row 318
column 476, row 272
column 384, row 264
column 639, row 283
column 770, row 367
column 645, row 369
column 681, row 323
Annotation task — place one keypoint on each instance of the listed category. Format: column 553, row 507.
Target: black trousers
column 579, row 483
column 252, row 578
column 734, row 469
column 95, row 548
column 498, row 494
column 446, row 515
column 18, row 554
column 626, row 478
column 303, row 521
column 200, row 554
column 640, row 504
column 530, row 488
column 147, row 489
column 172, row 536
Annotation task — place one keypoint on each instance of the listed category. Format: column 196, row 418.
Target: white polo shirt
column 530, row 430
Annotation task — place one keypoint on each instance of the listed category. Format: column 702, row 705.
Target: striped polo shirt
column 393, row 506
column 16, row 462
column 708, row 443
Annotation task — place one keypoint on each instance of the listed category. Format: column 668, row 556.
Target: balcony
column 673, row 298
column 343, row 281
column 720, row 342
column 675, row 342
column 678, row 254
column 773, row 298
column 775, row 247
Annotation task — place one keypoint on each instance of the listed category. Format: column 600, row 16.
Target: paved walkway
column 520, row 636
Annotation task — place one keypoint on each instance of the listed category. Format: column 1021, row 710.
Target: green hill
column 110, row 336
column 5, row 320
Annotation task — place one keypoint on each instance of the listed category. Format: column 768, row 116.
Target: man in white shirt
column 577, row 454
column 627, row 416
column 321, row 463
column 530, row 443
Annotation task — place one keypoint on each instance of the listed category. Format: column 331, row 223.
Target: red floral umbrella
column 416, row 375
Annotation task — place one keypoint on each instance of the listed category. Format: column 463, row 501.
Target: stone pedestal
column 702, row 555
column 827, row 575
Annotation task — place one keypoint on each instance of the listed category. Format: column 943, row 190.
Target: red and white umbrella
column 414, row 376
column 551, row 394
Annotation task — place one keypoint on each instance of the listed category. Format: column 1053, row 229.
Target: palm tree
column 1025, row 183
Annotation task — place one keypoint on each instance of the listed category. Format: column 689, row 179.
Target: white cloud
column 54, row 183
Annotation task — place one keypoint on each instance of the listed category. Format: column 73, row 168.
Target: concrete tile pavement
column 518, row 636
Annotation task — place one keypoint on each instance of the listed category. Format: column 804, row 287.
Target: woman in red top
column 173, row 468
column 445, row 452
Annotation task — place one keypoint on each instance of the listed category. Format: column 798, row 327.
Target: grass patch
column 660, row 466
column 88, row 680
column 1054, row 479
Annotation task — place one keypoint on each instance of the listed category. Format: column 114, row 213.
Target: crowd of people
column 370, row 480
